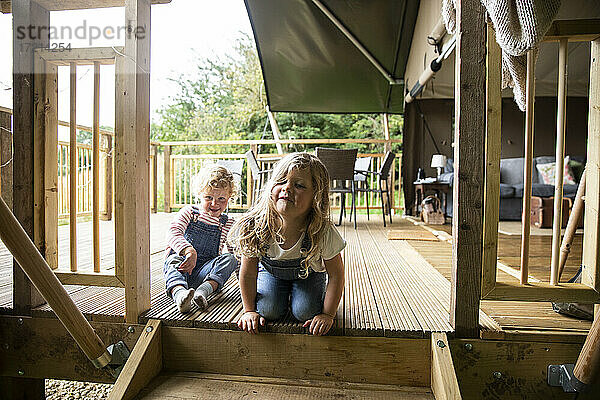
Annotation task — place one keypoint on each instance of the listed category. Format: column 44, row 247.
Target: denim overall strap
column 205, row 238
column 288, row 269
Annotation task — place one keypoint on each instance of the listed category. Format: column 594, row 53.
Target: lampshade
column 438, row 161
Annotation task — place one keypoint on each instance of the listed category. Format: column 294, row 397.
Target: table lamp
column 438, row 161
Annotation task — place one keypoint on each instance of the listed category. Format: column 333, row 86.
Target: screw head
column 497, row 374
column 131, row 329
column 21, row 372
column 20, row 320
column 148, row 329
column 441, row 344
column 553, row 369
column 6, row 346
column 468, row 346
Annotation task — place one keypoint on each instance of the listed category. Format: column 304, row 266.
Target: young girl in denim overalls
column 290, row 250
column 195, row 266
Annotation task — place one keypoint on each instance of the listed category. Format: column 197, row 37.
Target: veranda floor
column 394, row 288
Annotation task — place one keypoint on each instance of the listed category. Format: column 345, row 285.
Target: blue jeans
column 219, row 269
column 305, row 296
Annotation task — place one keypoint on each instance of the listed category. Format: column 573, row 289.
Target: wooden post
column 133, row 131
column 387, row 146
column 6, row 155
column 250, row 186
column 50, row 168
column 469, row 134
column 96, row 169
column 587, row 367
column 492, row 162
column 591, row 237
column 574, row 218
column 275, row 130
column 526, row 216
column 73, row 164
column 106, row 214
column 167, row 178
column 153, row 208
column 561, row 118
column 26, row 13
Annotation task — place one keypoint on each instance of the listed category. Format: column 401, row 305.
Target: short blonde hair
column 213, row 176
column 254, row 231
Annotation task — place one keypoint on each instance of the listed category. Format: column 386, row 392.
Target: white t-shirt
column 333, row 244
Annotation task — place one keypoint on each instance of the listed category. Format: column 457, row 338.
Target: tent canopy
column 310, row 65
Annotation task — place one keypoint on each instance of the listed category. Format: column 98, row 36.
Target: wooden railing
column 528, row 290
column 181, row 168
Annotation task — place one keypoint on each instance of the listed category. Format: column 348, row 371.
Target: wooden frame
column 588, row 289
column 444, row 384
column 45, row 179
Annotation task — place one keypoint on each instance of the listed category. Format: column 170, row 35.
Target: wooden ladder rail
column 38, row 271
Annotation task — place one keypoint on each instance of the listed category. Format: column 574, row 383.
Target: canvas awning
column 310, row 65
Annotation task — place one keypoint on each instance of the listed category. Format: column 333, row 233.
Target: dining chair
column 382, row 176
column 361, row 173
column 258, row 174
column 340, row 166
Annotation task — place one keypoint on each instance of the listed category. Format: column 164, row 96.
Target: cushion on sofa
column 511, row 170
column 506, row 191
column 547, row 173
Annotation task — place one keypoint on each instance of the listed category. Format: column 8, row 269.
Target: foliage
column 225, row 100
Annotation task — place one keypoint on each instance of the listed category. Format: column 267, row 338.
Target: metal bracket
column 562, row 375
column 119, row 354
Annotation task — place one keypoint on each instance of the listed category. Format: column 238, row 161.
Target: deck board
column 394, row 288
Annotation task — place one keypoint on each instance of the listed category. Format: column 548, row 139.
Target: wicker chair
column 258, row 175
column 382, row 176
column 340, row 165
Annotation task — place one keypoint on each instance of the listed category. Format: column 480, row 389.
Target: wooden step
column 187, row 385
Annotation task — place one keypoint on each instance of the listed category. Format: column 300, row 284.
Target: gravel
column 71, row 390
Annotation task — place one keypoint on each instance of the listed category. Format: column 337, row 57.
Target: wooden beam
column 167, row 178
column 379, row 360
column 6, row 155
column 25, row 13
column 543, row 291
column 591, row 232
column 53, row 5
column 81, row 56
column 51, row 166
column 469, row 134
column 575, row 30
column 272, row 142
column 493, row 146
column 143, row 364
column 73, row 167
column 107, row 178
column 443, row 377
column 39, row 148
column 528, row 165
column 96, row 170
column 134, row 103
column 491, row 369
column 89, row 279
column 53, row 353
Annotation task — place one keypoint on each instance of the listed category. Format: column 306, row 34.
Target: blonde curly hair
column 213, row 176
column 254, row 232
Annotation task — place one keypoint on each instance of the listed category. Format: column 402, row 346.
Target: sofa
column 511, row 183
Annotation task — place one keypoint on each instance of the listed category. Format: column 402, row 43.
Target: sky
column 182, row 31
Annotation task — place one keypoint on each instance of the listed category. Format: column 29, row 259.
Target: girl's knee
column 303, row 311
column 270, row 310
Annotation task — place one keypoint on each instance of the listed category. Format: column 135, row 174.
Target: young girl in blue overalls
column 195, row 265
column 290, row 250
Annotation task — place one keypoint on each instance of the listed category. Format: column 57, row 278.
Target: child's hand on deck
column 250, row 321
column 319, row 324
column 190, row 260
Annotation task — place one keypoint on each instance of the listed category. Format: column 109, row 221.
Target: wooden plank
column 575, row 30
column 154, row 199
column 273, row 142
column 527, row 177
column 493, row 145
column 51, row 166
column 135, row 100
column 89, row 279
column 143, row 364
column 543, row 291
column 394, row 361
column 492, row 369
column 107, row 177
column 167, row 178
column 80, row 56
column 189, row 385
column 6, row 155
column 53, row 5
column 56, row 354
column 96, row 169
column 39, row 85
column 443, row 377
column 73, row 165
column 591, row 233
column 467, row 224
column 402, row 234
column 28, row 13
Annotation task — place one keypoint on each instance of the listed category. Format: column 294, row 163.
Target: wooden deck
column 394, row 288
